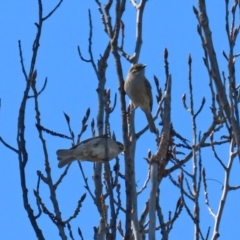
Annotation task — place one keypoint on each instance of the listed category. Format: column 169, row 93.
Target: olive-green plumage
column 139, row 91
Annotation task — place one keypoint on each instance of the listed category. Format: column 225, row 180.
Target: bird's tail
column 65, row 157
column 150, row 122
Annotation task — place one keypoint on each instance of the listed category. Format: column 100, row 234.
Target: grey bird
column 139, row 91
column 92, row 149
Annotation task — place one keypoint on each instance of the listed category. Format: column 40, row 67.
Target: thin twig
column 8, row 146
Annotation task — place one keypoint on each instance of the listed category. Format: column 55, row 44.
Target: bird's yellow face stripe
column 137, row 68
column 121, row 146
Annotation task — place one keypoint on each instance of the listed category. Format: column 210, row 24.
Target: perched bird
column 92, row 149
column 139, row 91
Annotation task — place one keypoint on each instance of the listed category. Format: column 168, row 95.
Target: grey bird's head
column 137, row 69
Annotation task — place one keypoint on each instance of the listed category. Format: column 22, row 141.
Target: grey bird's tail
column 151, row 122
column 65, row 157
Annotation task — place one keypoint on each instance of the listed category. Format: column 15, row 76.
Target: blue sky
column 72, row 88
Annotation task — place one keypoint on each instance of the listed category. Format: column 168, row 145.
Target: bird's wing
column 89, row 140
column 149, row 93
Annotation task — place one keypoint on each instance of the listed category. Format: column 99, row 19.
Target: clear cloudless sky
column 72, row 87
